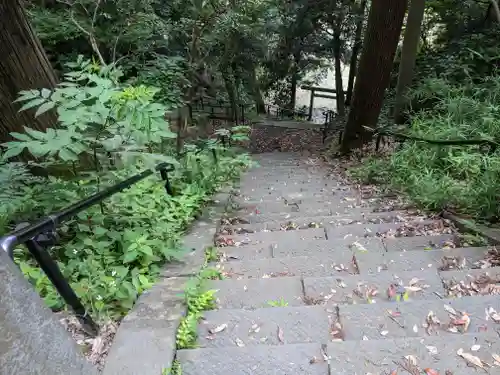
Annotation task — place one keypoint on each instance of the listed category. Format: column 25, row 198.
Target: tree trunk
column 23, row 66
column 408, row 56
column 294, row 80
column 339, row 86
column 380, row 42
column 256, row 93
column 231, row 93
column 355, row 51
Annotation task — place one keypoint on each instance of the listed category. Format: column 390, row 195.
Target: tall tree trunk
column 380, row 42
column 355, row 51
column 231, row 92
column 339, row 86
column 294, row 81
column 23, row 66
column 408, row 56
column 256, row 93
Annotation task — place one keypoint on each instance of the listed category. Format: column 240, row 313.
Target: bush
column 107, row 132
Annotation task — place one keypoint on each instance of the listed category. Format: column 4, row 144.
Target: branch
column 496, row 9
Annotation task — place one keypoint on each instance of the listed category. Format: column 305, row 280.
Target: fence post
column 311, row 104
column 33, row 341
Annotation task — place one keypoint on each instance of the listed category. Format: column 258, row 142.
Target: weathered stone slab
column 418, row 242
column 142, row 346
column 248, row 252
column 337, row 290
column 378, row 321
column 367, row 230
column 255, row 293
column 32, row 340
column 415, row 260
column 377, row 357
column 306, row 324
column 254, row 360
column 466, row 277
column 265, row 208
column 327, row 264
column 278, row 237
column 326, row 247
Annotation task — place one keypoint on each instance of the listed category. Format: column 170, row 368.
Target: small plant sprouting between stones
column 211, row 254
column 278, row 303
column 470, row 239
column 197, row 299
column 176, row 369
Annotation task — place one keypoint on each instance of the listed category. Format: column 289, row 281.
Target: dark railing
column 330, row 125
column 40, row 236
column 219, row 110
column 274, row 110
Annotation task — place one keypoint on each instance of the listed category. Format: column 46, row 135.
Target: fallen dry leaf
column 450, row 310
column 239, row 342
column 470, row 358
column 432, row 350
column 475, row 348
column 496, row 357
column 218, row 329
column 430, row 371
column 412, row 360
column 280, row 335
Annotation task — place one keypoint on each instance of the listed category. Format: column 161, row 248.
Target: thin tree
column 23, row 66
column 355, row 51
column 337, row 47
column 380, row 42
column 408, row 56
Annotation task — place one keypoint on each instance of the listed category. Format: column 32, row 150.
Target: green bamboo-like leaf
column 44, row 108
column 13, row 151
column 31, row 104
column 21, row 136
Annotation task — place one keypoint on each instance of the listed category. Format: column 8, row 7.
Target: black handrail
column 39, row 236
column 282, row 112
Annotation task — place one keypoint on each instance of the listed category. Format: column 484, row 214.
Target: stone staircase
column 318, row 283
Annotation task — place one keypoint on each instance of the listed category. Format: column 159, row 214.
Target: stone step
column 472, row 282
column 378, row 357
column 356, row 289
column 282, row 223
column 292, row 196
column 264, row 209
column 257, row 293
column 290, row 359
column 420, row 242
column 388, row 320
column 406, row 229
column 295, row 325
column 419, row 259
column 291, row 236
column 329, row 264
column 288, row 247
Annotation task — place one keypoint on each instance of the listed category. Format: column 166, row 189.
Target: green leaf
column 44, row 108
column 21, row 136
column 41, row 136
column 146, row 250
column 130, row 256
column 67, row 155
column 12, row 152
column 46, row 93
column 31, row 104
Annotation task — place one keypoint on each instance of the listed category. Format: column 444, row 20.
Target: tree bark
column 256, row 93
column 380, row 42
column 23, row 66
column 408, row 56
column 231, row 93
column 355, row 51
column 294, row 81
column 339, row 86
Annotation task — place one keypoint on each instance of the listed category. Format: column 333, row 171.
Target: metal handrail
column 281, row 111
column 40, row 235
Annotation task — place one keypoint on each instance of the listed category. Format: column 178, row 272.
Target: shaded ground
column 274, row 138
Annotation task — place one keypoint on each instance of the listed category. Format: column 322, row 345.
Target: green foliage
column 463, row 103
column 176, row 369
column 197, row 299
column 98, row 119
column 278, row 303
column 107, row 132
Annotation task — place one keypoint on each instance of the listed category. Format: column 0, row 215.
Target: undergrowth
column 197, row 299
column 107, row 131
column 463, row 103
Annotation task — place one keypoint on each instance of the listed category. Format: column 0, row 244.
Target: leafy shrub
column 110, row 253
